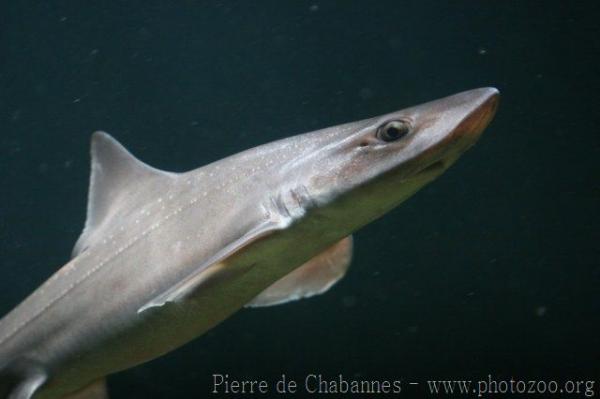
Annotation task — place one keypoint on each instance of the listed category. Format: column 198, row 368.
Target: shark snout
column 481, row 105
column 468, row 114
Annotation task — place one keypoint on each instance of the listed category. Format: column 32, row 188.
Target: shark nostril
column 364, row 144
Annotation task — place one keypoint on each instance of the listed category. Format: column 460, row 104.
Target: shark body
column 164, row 257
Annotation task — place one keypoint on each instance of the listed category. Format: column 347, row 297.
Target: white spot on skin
column 177, row 246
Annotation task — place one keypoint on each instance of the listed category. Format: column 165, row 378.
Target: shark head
column 366, row 168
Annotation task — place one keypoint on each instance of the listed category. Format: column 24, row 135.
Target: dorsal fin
column 115, row 173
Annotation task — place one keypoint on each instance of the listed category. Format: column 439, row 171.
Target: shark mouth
column 436, row 167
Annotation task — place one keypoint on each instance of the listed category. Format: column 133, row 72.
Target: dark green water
column 492, row 269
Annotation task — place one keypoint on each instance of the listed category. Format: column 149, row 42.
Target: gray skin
column 164, row 257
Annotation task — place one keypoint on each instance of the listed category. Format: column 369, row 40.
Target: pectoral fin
column 212, row 270
column 312, row 278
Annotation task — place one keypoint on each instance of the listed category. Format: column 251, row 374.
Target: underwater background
column 493, row 269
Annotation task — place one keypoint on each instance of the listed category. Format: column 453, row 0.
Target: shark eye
column 393, row 130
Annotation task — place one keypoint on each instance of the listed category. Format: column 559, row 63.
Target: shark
column 164, row 256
